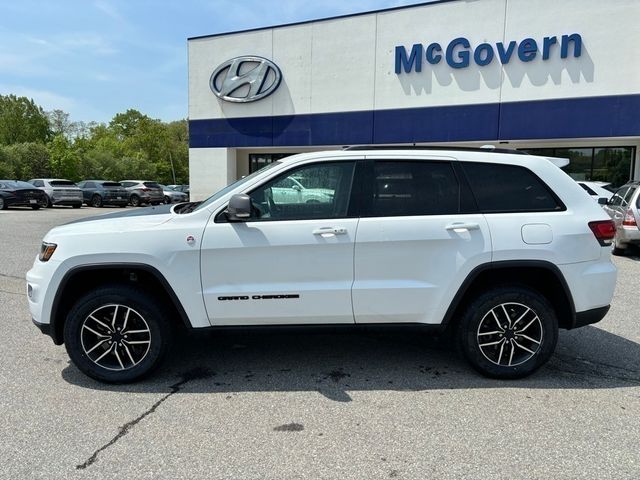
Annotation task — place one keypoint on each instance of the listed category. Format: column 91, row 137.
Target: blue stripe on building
column 608, row 116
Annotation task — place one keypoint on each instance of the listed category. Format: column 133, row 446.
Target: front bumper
column 589, row 317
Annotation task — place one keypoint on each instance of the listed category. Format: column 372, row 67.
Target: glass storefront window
column 603, row 164
column 260, row 160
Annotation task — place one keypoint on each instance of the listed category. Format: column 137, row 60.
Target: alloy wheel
column 115, row 337
column 510, row 334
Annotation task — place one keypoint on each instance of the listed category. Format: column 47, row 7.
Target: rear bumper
column 628, row 235
column 67, row 201
column 589, row 317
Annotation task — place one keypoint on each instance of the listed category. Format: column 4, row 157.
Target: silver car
column 143, row 191
column 622, row 207
column 173, row 196
column 59, row 191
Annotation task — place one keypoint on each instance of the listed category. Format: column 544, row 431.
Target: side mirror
column 603, row 201
column 239, row 208
column 297, row 188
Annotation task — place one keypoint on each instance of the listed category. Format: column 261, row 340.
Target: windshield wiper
column 186, row 207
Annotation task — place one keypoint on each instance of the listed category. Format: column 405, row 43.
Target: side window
column 127, row 184
column 617, row 198
column 628, row 196
column 407, row 188
column 38, row 183
column 325, row 195
column 509, row 188
column 89, row 185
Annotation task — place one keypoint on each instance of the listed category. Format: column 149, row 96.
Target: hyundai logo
column 245, row 79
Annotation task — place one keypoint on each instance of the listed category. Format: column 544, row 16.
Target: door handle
column 463, row 226
column 330, row 231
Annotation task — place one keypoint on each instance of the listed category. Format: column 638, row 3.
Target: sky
column 96, row 58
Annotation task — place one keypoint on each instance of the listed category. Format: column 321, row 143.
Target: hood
column 126, row 220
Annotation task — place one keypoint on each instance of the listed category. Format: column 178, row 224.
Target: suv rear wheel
column 116, row 334
column 134, row 200
column 508, row 332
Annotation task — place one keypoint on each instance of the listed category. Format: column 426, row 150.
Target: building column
column 210, row 169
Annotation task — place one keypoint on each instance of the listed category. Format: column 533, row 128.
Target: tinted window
column 110, row 184
column 62, row 183
column 89, row 185
column 151, row 185
column 628, row 195
column 616, row 200
column 128, row 184
column 15, row 184
column 283, row 198
column 509, row 188
column 38, row 183
column 403, row 188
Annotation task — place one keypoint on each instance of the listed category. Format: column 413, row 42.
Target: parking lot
column 302, row 404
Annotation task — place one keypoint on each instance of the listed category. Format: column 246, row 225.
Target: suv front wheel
column 508, row 332
column 116, row 334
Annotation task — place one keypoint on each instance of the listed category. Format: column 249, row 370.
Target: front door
column 292, row 261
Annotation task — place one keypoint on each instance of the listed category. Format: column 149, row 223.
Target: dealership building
column 559, row 78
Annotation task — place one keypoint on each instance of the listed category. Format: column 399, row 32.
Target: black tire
column 134, row 200
column 96, row 201
column 123, row 206
column 35, row 207
column 101, row 303
column 77, row 205
column 167, row 200
column 49, row 204
column 511, row 350
column 3, row 204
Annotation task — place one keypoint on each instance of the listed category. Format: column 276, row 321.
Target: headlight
column 46, row 250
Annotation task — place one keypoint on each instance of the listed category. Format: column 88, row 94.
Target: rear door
column 419, row 237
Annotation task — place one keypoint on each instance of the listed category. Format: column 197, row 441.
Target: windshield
column 228, row 188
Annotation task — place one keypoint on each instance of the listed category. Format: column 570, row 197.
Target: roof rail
column 485, row 148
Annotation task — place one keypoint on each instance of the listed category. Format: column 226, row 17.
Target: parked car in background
column 597, row 190
column 180, row 188
column 14, row 193
column 292, row 189
column 98, row 193
column 143, row 192
column 59, row 191
column 623, row 209
column 173, row 196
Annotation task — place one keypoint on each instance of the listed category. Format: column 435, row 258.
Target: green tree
column 21, row 121
column 64, row 161
column 28, row 160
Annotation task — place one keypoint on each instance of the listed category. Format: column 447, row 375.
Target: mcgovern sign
column 459, row 52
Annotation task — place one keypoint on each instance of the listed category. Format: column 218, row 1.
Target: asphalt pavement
column 309, row 405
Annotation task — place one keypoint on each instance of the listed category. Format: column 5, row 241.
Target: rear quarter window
column 502, row 188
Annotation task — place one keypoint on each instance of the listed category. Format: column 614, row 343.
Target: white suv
column 499, row 249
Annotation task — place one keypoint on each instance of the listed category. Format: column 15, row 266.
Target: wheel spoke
column 490, row 333
column 126, row 349
column 504, row 309
column 482, row 345
column 126, row 319
column 530, row 339
column 100, row 322
column 521, row 317
column 513, row 349
column 96, row 346
column 523, row 347
column 115, row 350
column 135, row 331
column 493, row 312
column 113, row 320
column 104, row 354
column 501, row 350
column 136, row 342
column 94, row 332
column 528, row 325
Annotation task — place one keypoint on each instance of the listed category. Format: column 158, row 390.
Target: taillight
column 604, row 231
column 629, row 219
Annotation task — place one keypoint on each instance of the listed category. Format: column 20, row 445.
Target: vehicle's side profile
column 98, row 193
column 59, row 191
column 143, row 192
column 499, row 250
column 172, row 196
column 624, row 208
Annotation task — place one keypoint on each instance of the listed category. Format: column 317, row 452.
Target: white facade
column 339, row 83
